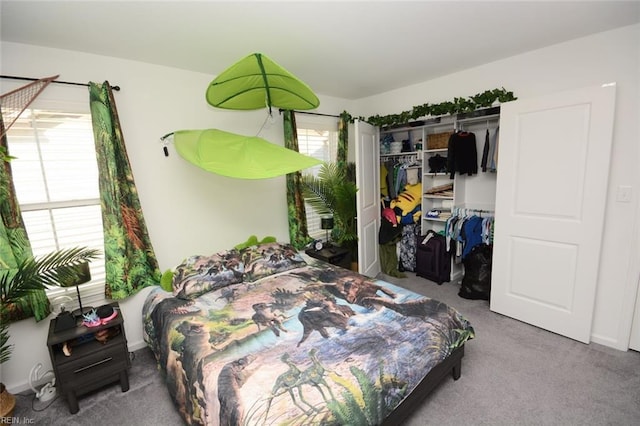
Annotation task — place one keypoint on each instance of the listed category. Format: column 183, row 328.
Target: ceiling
column 343, row 49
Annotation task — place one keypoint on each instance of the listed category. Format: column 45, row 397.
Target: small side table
column 92, row 364
column 335, row 255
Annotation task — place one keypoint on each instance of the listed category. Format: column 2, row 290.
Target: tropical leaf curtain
column 130, row 261
column 14, row 243
column 298, row 233
column 343, row 141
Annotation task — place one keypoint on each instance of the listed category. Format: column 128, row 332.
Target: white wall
column 612, row 56
column 187, row 210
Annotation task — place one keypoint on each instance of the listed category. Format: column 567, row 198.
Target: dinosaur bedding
column 264, row 336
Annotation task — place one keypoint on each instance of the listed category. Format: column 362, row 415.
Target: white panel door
column 553, row 167
column 634, row 342
column 368, row 197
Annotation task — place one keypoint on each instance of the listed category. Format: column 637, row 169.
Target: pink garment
column 390, row 215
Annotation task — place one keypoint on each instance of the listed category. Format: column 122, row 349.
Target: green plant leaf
column 32, row 275
column 333, row 192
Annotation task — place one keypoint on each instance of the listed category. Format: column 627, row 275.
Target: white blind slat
column 319, row 142
column 56, row 180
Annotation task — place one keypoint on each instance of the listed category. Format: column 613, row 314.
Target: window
column 56, row 180
column 319, row 141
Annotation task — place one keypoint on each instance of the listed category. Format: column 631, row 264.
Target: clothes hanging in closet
column 401, row 178
column 462, row 155
column 408, row 247
column 485, row 152
column 471, row 234
column 396, row 175
column 466, row 229
column 490, row 151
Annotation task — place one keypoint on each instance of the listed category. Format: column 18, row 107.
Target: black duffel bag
column 476, row 283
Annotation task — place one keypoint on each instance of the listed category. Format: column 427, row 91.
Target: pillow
column 267, row 259
column 253, row 241
column 166, row 280
column 200, row 274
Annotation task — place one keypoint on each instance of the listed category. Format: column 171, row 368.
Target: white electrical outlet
column 624, row 194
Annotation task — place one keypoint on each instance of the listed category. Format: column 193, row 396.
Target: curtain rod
column 11, row 77
column 310, row 113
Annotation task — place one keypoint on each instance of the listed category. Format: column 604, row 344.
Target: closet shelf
column 438, row 197
column 399, row 154
column 435, row 219
column 436, row 150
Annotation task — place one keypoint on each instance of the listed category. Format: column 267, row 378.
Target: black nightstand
column 92, row 364
column 335, row 255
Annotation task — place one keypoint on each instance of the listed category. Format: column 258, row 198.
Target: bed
column 265, row 335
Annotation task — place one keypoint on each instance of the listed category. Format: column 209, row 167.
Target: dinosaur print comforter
column 316, row 344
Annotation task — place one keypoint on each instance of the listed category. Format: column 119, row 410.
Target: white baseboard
column 19, row 387
column 607, row 341
column 134, row 346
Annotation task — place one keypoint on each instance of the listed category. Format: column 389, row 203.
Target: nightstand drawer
column 92, row 374
column 91, row 362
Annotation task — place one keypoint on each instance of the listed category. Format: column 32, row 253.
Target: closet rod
column 458, row 210
column 11, row 77
column 478, row 119
column 483, row 112
column 473, row 208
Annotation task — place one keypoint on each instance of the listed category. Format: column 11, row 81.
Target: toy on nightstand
column 64, row 321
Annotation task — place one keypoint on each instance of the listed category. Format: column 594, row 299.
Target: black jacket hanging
column 462, row 155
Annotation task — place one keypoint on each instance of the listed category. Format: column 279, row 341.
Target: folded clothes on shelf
column 438, row 214
column 440, row 189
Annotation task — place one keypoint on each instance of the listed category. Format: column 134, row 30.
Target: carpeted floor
column 512, row 374
column 147, row 402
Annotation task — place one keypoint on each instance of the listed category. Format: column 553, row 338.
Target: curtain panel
column 298, row 232
column 14, row 243
column 343, row 141
column 130, row 261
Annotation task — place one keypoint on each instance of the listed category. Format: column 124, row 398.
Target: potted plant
column 32, row 275
column 333, row 192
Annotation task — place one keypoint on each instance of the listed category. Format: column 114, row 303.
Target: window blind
column 56, row 179
column 320, row 143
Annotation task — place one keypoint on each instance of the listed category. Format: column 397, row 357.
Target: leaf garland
column 458, row 105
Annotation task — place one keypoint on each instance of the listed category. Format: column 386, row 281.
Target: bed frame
column 453, row 365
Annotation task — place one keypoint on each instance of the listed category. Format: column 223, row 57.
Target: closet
column 424, row 145
column 548, row 194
